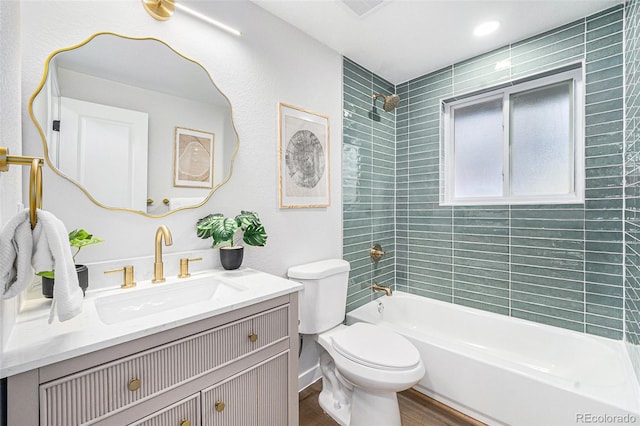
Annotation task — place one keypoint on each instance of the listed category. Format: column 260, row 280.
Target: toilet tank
column 323, row 301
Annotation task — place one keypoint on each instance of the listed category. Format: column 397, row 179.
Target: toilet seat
column 375, row 347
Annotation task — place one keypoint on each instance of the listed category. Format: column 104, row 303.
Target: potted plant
column 223, row 231
column 78, row 238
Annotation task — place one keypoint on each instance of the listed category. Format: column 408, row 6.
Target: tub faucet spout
column 158, row 266
column 386, row 289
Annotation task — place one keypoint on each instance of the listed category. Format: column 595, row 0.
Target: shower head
column 390, row 101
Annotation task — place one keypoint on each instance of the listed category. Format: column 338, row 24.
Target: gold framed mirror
column 134, row 124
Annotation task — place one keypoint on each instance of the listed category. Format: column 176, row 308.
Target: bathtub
column 507, row 371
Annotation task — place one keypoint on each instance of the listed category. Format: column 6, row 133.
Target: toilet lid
column 375, row 346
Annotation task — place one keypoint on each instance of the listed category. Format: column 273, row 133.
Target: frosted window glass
column 478, row 150
column 541, row 147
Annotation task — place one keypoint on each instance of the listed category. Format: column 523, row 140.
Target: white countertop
column 34, row 343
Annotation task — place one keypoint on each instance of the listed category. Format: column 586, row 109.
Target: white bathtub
column 503, row 370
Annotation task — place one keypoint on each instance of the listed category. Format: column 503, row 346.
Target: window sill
column 507, row 202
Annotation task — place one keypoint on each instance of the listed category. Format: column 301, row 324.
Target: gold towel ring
column 35, row 178
column 35, row 191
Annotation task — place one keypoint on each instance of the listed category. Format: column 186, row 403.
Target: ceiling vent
column 362, row 7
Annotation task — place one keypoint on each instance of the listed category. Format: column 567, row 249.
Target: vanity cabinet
column 237, row 368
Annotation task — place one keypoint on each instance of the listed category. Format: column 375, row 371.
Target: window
column 522, row 144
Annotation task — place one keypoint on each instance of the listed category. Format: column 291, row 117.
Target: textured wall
column 255, row 71
column 10, row 135
column 10, row 192
column 632, row 179
column 556, row 264
column 271, row 63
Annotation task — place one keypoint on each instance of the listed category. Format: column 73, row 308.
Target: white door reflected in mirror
column 100, row 140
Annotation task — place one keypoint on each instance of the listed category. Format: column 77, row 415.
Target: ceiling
column 403, row 39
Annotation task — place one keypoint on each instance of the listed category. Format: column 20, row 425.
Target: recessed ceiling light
column 486, row 28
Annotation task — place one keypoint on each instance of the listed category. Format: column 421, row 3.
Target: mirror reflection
column 134, row 124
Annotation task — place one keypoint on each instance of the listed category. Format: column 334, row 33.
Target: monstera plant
column 226, row 232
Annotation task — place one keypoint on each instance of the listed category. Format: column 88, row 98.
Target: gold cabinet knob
column 253, row 337
column 219, row 406
column 185, row 423
column 134, row 384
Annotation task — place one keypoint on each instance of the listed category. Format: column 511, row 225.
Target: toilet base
column 365, row 409
column 335, row 397
column 369, row 408
column 340, row 413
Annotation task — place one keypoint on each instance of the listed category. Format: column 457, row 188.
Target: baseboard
column 309, row 377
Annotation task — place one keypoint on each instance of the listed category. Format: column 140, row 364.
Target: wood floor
column 415, row 410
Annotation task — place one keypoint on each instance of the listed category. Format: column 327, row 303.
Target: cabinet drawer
column 182, row 413
column 243, row 337
column 97, row 392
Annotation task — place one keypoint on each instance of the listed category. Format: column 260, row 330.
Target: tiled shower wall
column 556, row 264
column 632, row 177
column 368, row 174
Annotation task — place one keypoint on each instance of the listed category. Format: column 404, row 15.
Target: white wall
column 10, row 132
column 271, row 63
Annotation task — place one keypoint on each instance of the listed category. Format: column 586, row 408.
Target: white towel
column 16, row 246
column 52, row 252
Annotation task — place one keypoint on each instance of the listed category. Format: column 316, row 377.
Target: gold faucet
column 158, row 272
column 386, row 289
column 184, row 266
column 128, row 276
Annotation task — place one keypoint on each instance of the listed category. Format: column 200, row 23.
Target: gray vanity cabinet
column 237, row 368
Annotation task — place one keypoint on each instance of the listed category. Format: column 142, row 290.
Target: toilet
column 363, row 365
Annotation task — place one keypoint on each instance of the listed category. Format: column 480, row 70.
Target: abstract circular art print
column 305, row 159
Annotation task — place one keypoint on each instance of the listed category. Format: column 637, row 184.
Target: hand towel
column 16, row 246
column 52, row 252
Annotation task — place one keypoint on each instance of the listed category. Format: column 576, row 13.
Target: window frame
column 447, row 145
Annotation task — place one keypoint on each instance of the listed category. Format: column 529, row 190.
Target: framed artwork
column 193, row 158
column 303, row 158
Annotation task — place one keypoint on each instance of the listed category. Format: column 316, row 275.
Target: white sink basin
column 134, row 304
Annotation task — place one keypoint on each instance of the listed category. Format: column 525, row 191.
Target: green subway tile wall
column 368, row 182
column 555, row 264
column 632, row 178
